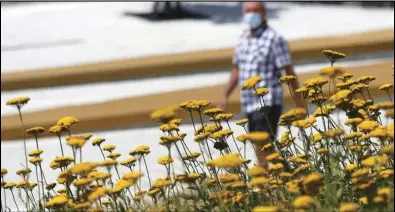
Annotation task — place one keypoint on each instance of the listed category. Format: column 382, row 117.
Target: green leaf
column 333, row 193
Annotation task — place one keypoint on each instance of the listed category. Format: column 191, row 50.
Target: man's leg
column 258, row 123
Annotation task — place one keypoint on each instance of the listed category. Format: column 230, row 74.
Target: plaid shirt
column 265, row 53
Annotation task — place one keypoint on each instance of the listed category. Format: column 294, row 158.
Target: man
column 260, row 52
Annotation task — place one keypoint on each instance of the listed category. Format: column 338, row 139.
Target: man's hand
column 223, row 103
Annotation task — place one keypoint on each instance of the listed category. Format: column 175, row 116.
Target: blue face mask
column 253, row 20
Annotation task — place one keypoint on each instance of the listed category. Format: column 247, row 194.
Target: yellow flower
column 35, row 153
column 242, row 122
column 322, row 150
column 363, row 200
column 221, row 134
column 333, row 133
column 99, row 175
column 353, row 121
column 226, row 161
column 251, row 82
column 177, row 122
column 274, row 157
column 303, row 202
column 18, row 102
column 387, row 173
column 256, row 171
column 97, row 194
column 285, row 137
column 350, row 167
column 223, row 117
column 259, row 181
column 81, row 206
column 161, row 182
column 83, row 168
column 303, row 91
column 106, row 202
column 152, row 192
column 304, row 123
column 390, row 130
column 63, row 161
column 109, row 163
column 353, row 135
column 23, row 172
column 345, row 77
column 36, row 161
column 163, row 115
column 195, row 105
column 360, row 172
column 366, row 79
column 373, row 160
column 258, row 137
column 294, row 115
column 341, row 96
column 82, row 182
column 389, row 113
column 109, row 148
column 165, row 160
column 388, row 150
column 57, row 201
column 275, row 167
column 140, row 150
column 268, row 209
column 76, row 141
column 128, row 162
column 213, row 111
column 384, row 192
column 114, row 155
column 191, row 156
column 35, row 131
column 379, row 132
column 315, row 83
column 50, row 186
column 267, row 146
column 286, row 79
column 261, row 91
column 122, row 184
column 9, row 186
column 169, row 127
column 386, row 87
column 359, row 88
column 98, row 141
column 312, row 183
column 367, row 126
column 349, row 207
column 297, row 160
column 333, row 56
column 242, row 138
column 202, row 137
column 4, row 172
column 67, row 121
column 301, row 169
column 286, row 174
column 332, row 71
column 385, row 105
column 210, row 128
column 57, row 130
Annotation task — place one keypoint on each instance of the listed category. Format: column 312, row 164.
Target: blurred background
column 112, row 63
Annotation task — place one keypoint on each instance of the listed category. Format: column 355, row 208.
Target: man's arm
column 289, row 70
column 230, row 87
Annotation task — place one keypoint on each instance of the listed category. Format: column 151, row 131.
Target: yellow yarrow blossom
column 18, row 102
column 349, row 207
column 367, row 125
column 114, row 155
column 334, row 133
column 98, row 141
column 268, row 209
column 35, row 160
column 261, row 91
column 226, row 161
column 275, row 167
column 83, row 182
column 315, row 83
column 161, row 182
column 76, row 141
column 345, row 77
column 304, row 123
column 251, row 82
column 35, row 153
column 128, row 162
column 274, row 157
column 223, row 117
column 67, row 121
column 122, row 184
column 35, row 130
column 256, row 171
column 388, row 150
column 57, row 130
column 242, row 122
column 132, row 175
column 57, row 201
column 165, row 160
column 23, row 172
column 373, row 160
column 386, row 87
column 213, row 111
column 332, row 71
column 333, row 56
column 97, row 194
column 353, row 121
column 303, row 202
column 259, row 181
column 83, row 168
column 286, row 79
column 342, row 95
column 258, row 137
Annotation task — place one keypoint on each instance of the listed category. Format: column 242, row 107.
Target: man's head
column 254, row 13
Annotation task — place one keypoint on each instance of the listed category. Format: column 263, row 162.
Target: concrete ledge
column 132, row 112
column 305, row 49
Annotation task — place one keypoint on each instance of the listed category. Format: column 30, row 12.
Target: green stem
column 61, row 146
column 146, row 167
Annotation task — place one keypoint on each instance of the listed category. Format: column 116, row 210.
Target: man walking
column 261, row 52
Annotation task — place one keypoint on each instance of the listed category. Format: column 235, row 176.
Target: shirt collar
column 257, row 33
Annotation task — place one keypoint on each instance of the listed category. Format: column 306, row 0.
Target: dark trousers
column 257, row 123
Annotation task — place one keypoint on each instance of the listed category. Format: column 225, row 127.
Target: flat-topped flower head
column 197, row 105
column 342, row 95
column 242, row 138
column 57, row 201
column 287, row 79
column 140, row 150
column 18, row 102
column 261, row 91
column 334, row 133
column 35, row 153
column 161, row 183
column 67, row 121
column 258, row 137
column 349, row 207
column 257, row 171
column 96, row 175
column 169, row 127
column 202, row 137
column 242, row 122
column 332, row 71
column 35, row 161
column 366, row 79
column 114, row 155
column 268, row 208
column 76, row 141
column 213, row 111
column 226, row 161
column 86, row 136
column 367, row 125
column 274, row 157
column 132, row 176
column 333, row 56
column 251, row 82
column 63, row 161
column 345, row 77
column 98, row 141
column 4, row 172
column 303, row 91
column 359, row 88
column 315, row 83
column 82, row 182
column 109, row 148
column 128, row 162
column 191, row 156
column 303, row 202
column 304, row 123
column 210, row 128
column 83, row 168
column 9, row 186
column 97, row 194
column 165, row 160
column 35, row 131
column 109, row 163
column 386, row 87
column 57, row 130
column 163, row 115
column 23, row 172
column 345, row 85
column 223, row 117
